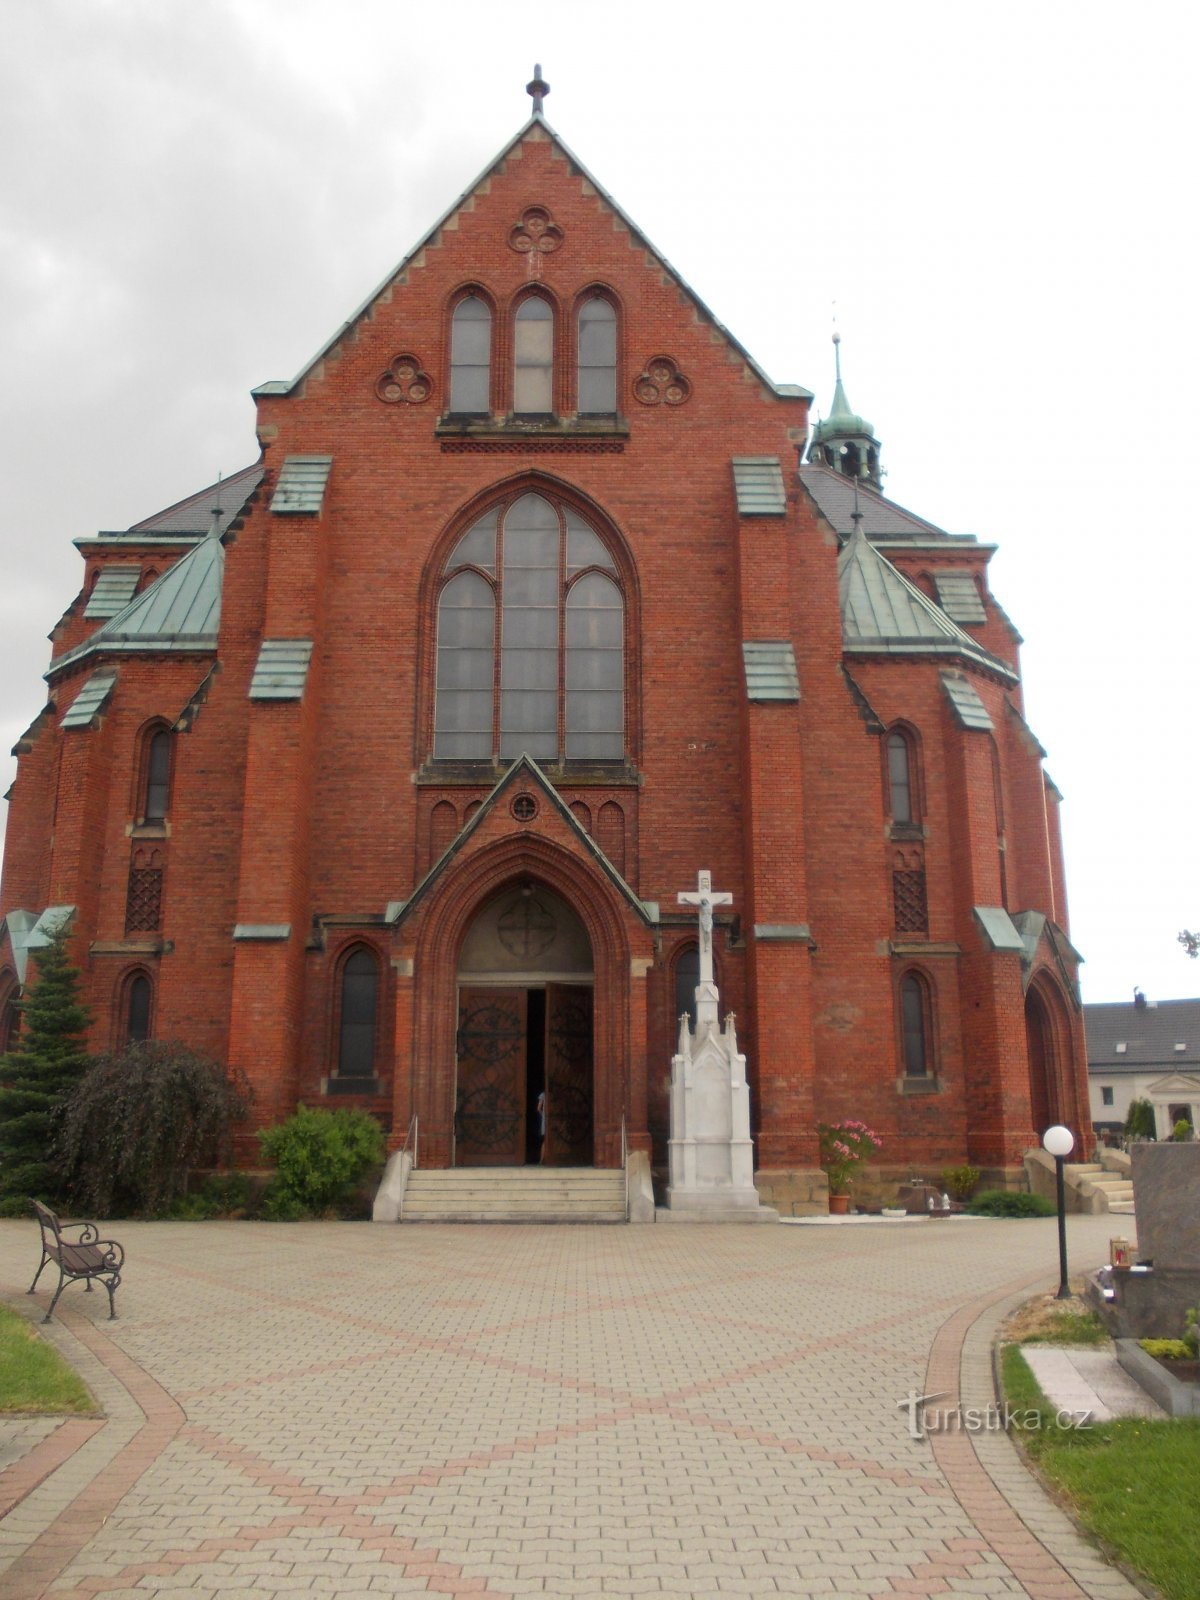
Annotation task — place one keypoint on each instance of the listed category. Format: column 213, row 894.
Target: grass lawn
column 1134, row 1483
column 33, row 1376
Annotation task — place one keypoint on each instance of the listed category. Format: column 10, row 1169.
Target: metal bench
column 81, row 1259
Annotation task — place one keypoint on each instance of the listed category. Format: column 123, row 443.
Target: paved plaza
column 357, row 1410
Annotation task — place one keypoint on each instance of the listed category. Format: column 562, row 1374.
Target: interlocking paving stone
column 346, row 1410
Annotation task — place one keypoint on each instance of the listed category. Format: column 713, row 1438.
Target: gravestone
column 1151, row 1299
column 711, row 1152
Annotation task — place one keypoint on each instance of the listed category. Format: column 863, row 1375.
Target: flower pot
column 839, row 1205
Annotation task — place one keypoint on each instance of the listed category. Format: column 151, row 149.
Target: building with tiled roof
column 377, row 769
column 1144, row 1049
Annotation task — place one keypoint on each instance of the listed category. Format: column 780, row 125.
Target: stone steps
column 1113, row 1189
column 514, row 1194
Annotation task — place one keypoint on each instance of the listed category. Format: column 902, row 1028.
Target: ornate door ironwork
column 568, row 1075
column 489, row 1113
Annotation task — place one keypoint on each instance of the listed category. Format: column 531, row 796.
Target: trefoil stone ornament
column 404, row 383
column 711, row 1153
column 661, row 383
column 535, row 229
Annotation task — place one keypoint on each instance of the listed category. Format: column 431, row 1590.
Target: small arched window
column 533, row 358
column 471, row 358
column 137, row 1009
column 597, row 358
column 356, row 1017
column 687, row 976
column 915, row 1025
column 10, row 1015
column 156, row 788
column 531, row 640
column 900, row 777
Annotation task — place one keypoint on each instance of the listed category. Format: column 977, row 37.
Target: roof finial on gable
column 539, row 89
column 215, row 530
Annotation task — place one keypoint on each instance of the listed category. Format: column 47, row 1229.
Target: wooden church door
column 489, row 1114
column 568, row 1075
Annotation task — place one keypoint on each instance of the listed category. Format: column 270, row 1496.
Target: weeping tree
column 140, row 1121
column 38, row 1078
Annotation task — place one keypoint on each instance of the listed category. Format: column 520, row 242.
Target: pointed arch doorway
column 524, row 1075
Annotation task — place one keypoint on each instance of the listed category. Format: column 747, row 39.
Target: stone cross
column 705, row 899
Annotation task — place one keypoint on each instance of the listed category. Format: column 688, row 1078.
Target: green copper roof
column 969, row 709
column 113, row 590
column 179, row 611
column 281, row 670
column 90, row 700
column 883, row 612
column 770, row 668
column 758, row 484
column 841, row 421
column 958, row 595
column 301, row 485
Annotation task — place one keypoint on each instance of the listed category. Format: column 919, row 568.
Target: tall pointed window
column 356, row 1025
column 915, row 1025
column 900, row 784
column 137, row 1009
column 156, row 790
column 533, row 358
column 531, row 640
column 471, row 358
column 597, row 394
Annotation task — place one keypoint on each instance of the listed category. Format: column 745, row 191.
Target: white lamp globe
column 1058, row 1141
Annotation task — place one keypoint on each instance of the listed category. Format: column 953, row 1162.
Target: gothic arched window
column 10, row 1016
column 687, row 976
column 597, row 347
column 533, row 358
column 531, row 640
column 471, row 358
column 901, row 777
column 916, row 1025
column 135, row 1016
column 356, row 1016
column 156, row 776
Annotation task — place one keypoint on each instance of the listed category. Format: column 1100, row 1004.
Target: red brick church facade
column 376, row 770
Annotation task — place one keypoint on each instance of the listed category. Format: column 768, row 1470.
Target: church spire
column 844, row 440
column 538, row 88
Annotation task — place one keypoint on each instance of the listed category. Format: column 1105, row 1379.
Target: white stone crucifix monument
column 711, row 1154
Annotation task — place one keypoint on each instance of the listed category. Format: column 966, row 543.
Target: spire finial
column 538, row 88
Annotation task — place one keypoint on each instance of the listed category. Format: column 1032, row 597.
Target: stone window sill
column 611, row 774
column 916, row 1086
column 367, row 1087
column 451, row 427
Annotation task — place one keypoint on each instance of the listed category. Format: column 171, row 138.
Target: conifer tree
column 36, row 1078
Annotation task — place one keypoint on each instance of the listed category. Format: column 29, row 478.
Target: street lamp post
column 1059, row 1142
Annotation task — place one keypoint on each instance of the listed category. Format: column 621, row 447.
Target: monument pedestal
column 711, row 1152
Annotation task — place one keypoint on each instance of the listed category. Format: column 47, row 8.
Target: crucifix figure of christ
column 705, row 899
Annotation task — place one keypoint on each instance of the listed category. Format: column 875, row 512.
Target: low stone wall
column 800, row 1193
column 804, row 1192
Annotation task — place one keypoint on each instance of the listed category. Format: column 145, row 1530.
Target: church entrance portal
column 524, row 1060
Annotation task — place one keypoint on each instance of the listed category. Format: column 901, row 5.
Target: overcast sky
column 1001, row 202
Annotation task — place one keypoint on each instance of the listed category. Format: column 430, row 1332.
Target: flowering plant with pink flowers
column 846, row 1146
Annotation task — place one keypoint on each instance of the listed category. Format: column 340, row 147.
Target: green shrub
column 1191, row 1332
column 39, row 1078
column 1182, row 1131
column 225, row 1194
column 960, row 1182
column 320, row 1157
column 139, row 1121
column 1139, row 1120
column 1166, row 1349
column 1010, row 1203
